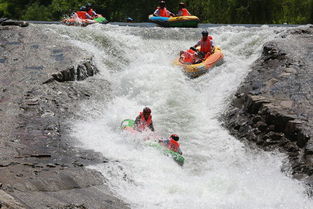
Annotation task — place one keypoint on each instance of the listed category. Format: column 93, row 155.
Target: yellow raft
column 195, row 70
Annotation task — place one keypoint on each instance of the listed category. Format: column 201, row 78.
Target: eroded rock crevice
column 75, row 73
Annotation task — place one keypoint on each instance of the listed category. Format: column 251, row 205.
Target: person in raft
column 172, row 143
column 82, row 13
column 161, row 11
column 90, row 11
column 182, row 11
column 206, row 45
column 144, row 120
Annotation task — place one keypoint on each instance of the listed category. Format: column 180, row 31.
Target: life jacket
column 206, row 46
column 164, row 12
column 81, row 14
column 183, row 12
column 143, row 123
column 188, row 57
column 173, row 145
column 91, row 12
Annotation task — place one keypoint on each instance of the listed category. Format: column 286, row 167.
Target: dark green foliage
column 212, row 11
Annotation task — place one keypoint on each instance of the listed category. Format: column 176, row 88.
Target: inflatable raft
column 178, row 158
column 128, row 125
column 195, row 70
column 181, row 21
column 84, row 22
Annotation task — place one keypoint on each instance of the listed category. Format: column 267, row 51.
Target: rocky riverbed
column 42, row 82
column 273, row 108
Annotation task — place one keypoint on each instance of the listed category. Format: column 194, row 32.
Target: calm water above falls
column 219, row 172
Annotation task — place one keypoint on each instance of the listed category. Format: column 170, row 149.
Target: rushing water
column 219, row 171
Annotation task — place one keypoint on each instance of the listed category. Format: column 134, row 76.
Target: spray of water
column 219, row 172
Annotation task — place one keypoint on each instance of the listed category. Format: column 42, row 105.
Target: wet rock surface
column 42, row 82
column 273, row 107
column 6, row 22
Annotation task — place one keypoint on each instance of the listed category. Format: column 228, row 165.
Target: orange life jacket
column 206, row 46
column 81, row 14
column 183, row 12
column 164, row 12
column 173, row 145
column 188, row 56
column 91, row 12
column 143, row 123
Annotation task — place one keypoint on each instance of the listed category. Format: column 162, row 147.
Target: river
column 219, row 171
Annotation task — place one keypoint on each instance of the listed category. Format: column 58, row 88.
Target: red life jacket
column 163, row 12
column 143, row 123
column 183, row 12
column 173, row 145
column 81, row 14
column 188, row 56
column 206, row 46
column 91, row 12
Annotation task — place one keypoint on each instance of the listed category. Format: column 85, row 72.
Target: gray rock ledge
column 273, row 108
column 39, row 92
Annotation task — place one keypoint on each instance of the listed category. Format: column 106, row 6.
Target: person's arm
column 179, row 151
column 151, row 126
column 172, row 14
column 156, row 12
column 212, row 47
column 94, row 13
column 88, row 16
column 197, row 44
column 137, row 120
column 164, row 141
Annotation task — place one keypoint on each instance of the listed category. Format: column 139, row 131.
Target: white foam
column 219, row 172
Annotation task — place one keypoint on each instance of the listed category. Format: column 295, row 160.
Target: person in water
column 161, row 11
column 206, row 45
column 82, row 13
column 172, row 143
column 182, row 11
column 144, row 120
column 90, row 11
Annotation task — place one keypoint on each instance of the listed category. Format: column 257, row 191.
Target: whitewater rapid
column 219, row 171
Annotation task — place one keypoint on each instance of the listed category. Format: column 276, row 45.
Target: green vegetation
column 210, row 11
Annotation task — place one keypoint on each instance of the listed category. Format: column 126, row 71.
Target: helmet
column 146, row 110
column 182, row 4
column 83, row 8
column 174, row 137
column 88, row 5
column 162, row 3
column 205, row 33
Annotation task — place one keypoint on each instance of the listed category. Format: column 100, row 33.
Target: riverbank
column 43, row 81
column 272, row 109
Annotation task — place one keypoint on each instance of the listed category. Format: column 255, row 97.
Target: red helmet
column 146, row 110
column 174, row 137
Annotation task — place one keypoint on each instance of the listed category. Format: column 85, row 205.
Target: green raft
column 101, row 20
column 127, row 123
column 178, row 158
